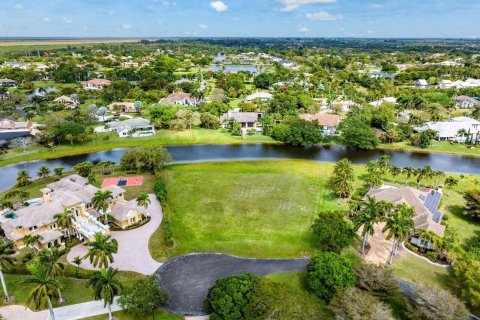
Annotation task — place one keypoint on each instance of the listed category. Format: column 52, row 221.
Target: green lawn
column 436, row 147
column 74, row 291
column 251, row 209
column 163, row 137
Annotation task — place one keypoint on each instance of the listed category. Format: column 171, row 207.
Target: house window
column 132, row 220
column 20, row 228
column 53, row 226
column 32, row 228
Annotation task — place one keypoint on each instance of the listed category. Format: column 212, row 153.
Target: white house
column 383, row 100
column 262, row 96
column 449, row 130
column 135, row 128
column 181, row 98
column 421, row 84
column 466, row 102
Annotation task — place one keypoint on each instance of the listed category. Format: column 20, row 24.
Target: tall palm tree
column 50, row 259
column 436, row 175
column 100, row 202
column 77, row 261
column 43, row 172
column 58, row 171
column 343, row 177
column 105, row 287
column 408, row 172
column 23, row 178
column 65, row 220
column 45, row 288
column 371, row 213
column 30, row 240
column 101, row 250
column 399, row 226
column 7, row 250
column 384, row 163
column 143, row 200
column 451, row 182
column 395, row 171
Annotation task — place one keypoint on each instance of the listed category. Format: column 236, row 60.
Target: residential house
column 446, row 84
column 10, row 130
column 466, row 102
column 380, row 75
column 125, row 107
column 424, row 202
column 459, row 84
column 135, row 127
column 345, row 104
column 8, row 83
column 421, row 84
column 262, row 96
column 96, row 84
column 75, row 194
column 15, row 65
column 450, row 129
column 248, row 120
column 328, row 122
column 181, row 98
column 383, row 100
column 68, row 102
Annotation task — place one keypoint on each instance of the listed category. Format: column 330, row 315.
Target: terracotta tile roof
column 328, row 120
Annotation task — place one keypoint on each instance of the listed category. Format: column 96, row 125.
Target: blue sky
column 230, row 18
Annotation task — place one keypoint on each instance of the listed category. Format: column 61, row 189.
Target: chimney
column 46, row 192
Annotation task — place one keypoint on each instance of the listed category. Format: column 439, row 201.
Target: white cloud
column 126, row 26
column 218, row 6
column 377, row 5
column 323, row 16
column 46, row 19
column 290, row 5
column 303, row 30
column 19, row 6
column 203, row 26
column 66, row 20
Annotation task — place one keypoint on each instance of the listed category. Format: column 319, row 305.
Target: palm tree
column 23, row 178
column 143, row 200
column 451, row 182
column 6, row 204
column 384, row 163
column 399, row 225
column 58, row 171
column 371, row 213
column 101, row 250
column 45, row 288
column 100, row 202
column 343, row 177
column 30, row 240
column 395, row 171
column 105, row 287
column 7, row 250
column 77, row 261
column 49, row 258
column 43, row 172
column 65, row 220
column 436, row 175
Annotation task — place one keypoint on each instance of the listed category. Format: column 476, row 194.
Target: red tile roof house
column 96, row 84
column 180, row 98
column 68, row 102
column 122, row 106
column 328, row 122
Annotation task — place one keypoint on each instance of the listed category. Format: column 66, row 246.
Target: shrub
column 160, row 190
column 231, row 298
column 431, row 303
column 353, row 303
column 327, row 273
column 379, row 281
column 332, row 231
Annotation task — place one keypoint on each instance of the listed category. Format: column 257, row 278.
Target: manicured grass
column 74, row 290
column 251, row 209
column 120, row 315
column 417, row 270
column 436, row 147
column 163, row 137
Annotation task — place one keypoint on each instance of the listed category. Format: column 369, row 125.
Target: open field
column 253, row 209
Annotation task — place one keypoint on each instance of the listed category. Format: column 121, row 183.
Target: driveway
column 189, row 277
column 133, row 253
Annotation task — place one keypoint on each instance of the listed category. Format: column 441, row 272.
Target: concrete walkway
column 133, row 253
column 72, row 312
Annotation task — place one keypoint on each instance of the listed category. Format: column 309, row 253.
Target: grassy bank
column 436, row 147
column 163, row 137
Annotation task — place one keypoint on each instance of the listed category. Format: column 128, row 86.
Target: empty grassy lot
column 250, row 209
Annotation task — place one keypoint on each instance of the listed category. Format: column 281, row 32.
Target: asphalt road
column 189, row 277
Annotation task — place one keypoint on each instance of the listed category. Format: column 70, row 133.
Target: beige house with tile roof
column 74, row 193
